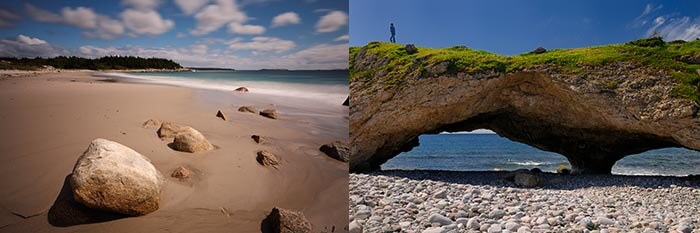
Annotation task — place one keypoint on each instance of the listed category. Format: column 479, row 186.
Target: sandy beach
column 455, row 201
column 48, row 119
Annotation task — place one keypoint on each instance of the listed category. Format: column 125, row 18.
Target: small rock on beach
column 269, row 113
column 249, row 109
column 267, row 159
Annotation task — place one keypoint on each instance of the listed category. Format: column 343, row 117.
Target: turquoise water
column 487, row 152
column 331, row 86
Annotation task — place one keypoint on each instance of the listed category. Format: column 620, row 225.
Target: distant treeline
column 103, row 63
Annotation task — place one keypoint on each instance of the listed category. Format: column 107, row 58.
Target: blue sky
column 514, row 26
column 243, row 34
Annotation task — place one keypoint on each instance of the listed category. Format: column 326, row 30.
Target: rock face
column 241, row 89
column 269, row 113
column 249, row 109
column 576, row 115
column 220, row 114
column 190, row 140
column 287, row 221
column 168, row 130
column 110, row 176
column 337, row 150
column 267, row 159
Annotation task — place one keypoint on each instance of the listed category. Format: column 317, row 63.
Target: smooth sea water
column 328, row 86
column 488, row 152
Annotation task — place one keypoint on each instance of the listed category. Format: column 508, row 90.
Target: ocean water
column 488, row 152
column 328, row 86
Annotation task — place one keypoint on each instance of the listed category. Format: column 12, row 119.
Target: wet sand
column 48, row 119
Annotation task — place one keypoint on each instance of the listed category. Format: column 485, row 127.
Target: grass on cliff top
column 652, row 52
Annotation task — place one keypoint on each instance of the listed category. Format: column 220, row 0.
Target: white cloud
column 190, row 6
column 146, row 22
column 107, row 29
column 142, row 4
column 680, row 28
column 42, row 15
column 246, row 29
column 285, row 19
column 25, row 46
column 199, row 49
column 323, row 56
column 7, row 18
column 214, row 16
column 332, row 21
column 262, row 44
column 345, row 37
column 30, row 40
column 81, row 17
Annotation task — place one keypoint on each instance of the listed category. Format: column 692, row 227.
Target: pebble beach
column 447, row 201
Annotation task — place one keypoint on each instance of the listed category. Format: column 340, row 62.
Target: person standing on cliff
column 392, row 39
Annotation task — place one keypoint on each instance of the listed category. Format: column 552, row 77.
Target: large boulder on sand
column 190, row 140
column 110, row 176
column 169, row 130
column 337, row 150
column 286, row 221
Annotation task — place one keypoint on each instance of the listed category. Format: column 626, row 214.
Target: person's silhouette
column 392, row 39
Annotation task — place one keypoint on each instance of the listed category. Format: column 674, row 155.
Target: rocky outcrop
column 269, row 113
column 594, row 117
column 110, row 176
column 190, row 140
column 286, row 221
column 249, row 109
column 337, row 150
column 267, row 159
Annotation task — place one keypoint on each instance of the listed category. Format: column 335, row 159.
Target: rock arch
column 592, row 127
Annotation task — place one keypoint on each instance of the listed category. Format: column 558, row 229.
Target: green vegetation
column 103, row 63
column 650, row 52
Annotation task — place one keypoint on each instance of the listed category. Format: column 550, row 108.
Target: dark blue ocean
column 488, row 152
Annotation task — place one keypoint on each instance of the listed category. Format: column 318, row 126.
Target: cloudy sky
column 516, row 26
column 241, row 34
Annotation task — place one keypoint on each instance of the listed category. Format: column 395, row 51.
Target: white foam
column 332, row 94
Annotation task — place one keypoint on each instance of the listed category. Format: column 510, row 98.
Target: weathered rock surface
column 151, row 123
column 190, row 140
column 249, row 109
column 337, row 150
column 241, row 89
column 169, row 130
column 267, row 159
column 287, row 221
column 110, row 176
column 269, row 113
column 181, row 173
column 220, row 114
column 576, row 115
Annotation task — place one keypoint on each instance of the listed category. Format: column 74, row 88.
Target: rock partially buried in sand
column 151, row 123
column 181, row 173
column 337, row 150
column 528, row 180
column 269, row 113
column 241, row 89
column 110, row 176
column 258, row 139
column 220, row 114
column 191, row 140
column 287, row 221
column 249, row 109
column 169, row 130
column 267, row 159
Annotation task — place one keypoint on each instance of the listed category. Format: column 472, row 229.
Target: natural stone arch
column 592, row 129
